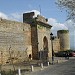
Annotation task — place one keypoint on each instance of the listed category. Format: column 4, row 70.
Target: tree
column 69, row 5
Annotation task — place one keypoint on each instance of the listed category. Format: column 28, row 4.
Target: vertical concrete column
column 19, row 71
column 57, row 61
column 41, row 65
column 48, row 63
column 32, row 68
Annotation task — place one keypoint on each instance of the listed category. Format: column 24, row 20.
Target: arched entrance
column 45, row 48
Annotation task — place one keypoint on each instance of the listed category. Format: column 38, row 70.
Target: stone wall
column 15, row 41
column 56, row 44
column 40, row 30
column 64, row 39
column 42, row 33
column 34, row 41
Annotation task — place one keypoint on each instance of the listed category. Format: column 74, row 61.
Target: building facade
column 21, row 41
column 29, row 40
column 40, row 36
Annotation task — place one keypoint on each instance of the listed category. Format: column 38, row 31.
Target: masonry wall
column 64, row 39
column 34, row 41
column 56, row 44
column 44, row 32
column 40, row 30
column 15, row 41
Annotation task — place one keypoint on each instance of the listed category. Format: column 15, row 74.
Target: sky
column 48, row 8
column 13, row 10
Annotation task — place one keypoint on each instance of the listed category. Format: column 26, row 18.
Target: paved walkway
column 66, row 68
column 46, row 65
column 26, row 66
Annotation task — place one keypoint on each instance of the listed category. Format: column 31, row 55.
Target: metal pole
column 40, row 54
column 52, row 51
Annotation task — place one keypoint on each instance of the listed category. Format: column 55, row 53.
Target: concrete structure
column 64, row 37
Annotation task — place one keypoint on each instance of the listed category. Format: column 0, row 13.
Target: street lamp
column 52, row 38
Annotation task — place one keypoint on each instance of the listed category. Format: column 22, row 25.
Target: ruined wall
column 15, row 39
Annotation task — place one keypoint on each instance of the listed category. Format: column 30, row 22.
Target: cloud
column 56, row 25
column 16, row 16
column 13, row 16
column 52, row 21
column 35, row 11
column 3, row 16
column 70, row 24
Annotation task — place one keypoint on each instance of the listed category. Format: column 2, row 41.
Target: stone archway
column 45, row 48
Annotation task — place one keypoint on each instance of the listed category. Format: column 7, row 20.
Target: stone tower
column 64, row 39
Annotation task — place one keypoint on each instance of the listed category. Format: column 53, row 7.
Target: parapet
column 29, row 17
column 41, row 19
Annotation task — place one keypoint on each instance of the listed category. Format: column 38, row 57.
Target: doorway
column 45, row 48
